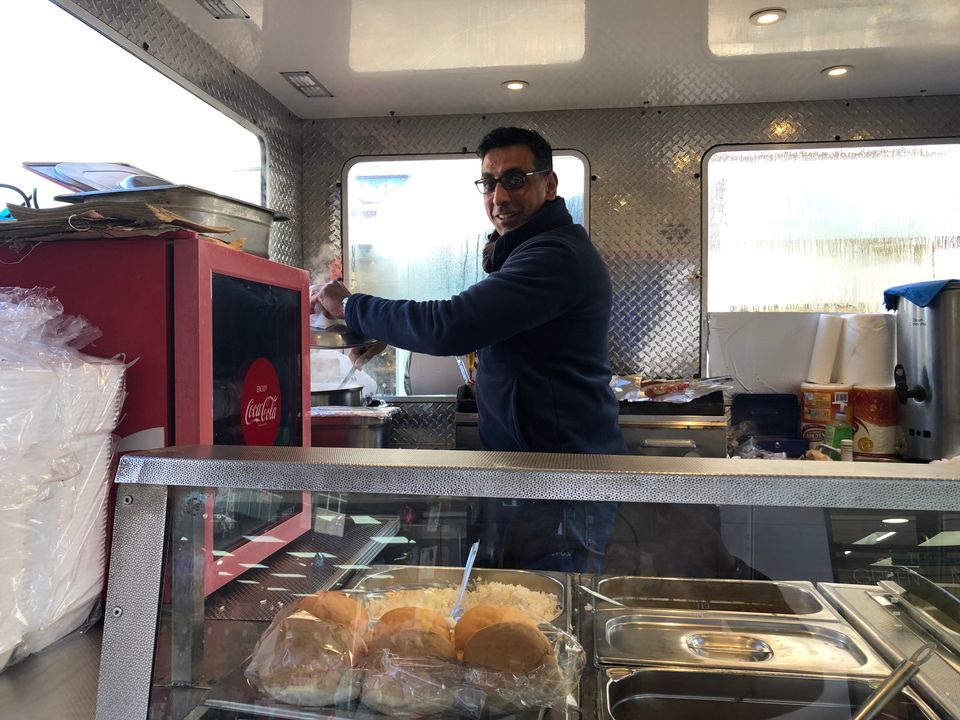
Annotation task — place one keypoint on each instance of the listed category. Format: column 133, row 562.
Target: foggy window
column 815, row 228
column 414, row 229
column 83, row 98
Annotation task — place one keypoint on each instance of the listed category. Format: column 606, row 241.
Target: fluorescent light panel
column 398, row 35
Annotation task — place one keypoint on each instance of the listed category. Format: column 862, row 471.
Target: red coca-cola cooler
column 217, row 347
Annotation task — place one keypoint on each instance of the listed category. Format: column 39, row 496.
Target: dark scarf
column 498, row 248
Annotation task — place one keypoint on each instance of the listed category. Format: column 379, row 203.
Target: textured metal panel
column 133, row 597
column 552, row 476
column 427, row 425
column 645, row 204
column 153, row 33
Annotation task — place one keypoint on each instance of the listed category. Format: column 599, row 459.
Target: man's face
column 509, row 209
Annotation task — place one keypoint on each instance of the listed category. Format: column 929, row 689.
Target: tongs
column 896, row 681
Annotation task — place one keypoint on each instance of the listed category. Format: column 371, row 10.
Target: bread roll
column 414, row 643
column 410, row 618
column 310, row 662
column 511, row 647
column 480, row 616
column 337, row 608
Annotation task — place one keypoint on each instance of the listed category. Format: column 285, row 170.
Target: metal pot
column 332, row 394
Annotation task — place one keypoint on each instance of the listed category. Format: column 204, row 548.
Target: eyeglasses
column 510, row 181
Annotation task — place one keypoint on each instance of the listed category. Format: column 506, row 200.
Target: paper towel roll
column 875, row 428
column 825, row 348
column 867, row 349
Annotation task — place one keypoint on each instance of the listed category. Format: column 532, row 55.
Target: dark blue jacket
column 540, row 323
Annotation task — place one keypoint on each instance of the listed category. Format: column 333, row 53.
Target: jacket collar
column 552, row 215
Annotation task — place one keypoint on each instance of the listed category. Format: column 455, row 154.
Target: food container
column 353, row 427
column 250, row 222
column 736, row 643
column 679, row 694
column 333, row 394
column 409, row 577
column 740, row 597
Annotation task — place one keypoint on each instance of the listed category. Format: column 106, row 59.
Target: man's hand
column 330, row 298
column 362, row 355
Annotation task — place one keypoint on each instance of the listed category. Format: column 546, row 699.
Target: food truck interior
column 754, row 176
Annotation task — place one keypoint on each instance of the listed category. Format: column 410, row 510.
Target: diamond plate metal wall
column 421, row 424
column 645, row 202
column 152, row 32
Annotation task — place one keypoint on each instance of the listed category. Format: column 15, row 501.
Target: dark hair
column 507, row 136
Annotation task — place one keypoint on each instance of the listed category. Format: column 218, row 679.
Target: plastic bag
column 58, row 409
column 413, row 687
column 634, row 388
column 547, row 686
column 301, row 660
column 751, row 450
column 404, row 687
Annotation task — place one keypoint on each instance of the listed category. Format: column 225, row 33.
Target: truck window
column 80, row 97
column 414, row 228
column 826, row 228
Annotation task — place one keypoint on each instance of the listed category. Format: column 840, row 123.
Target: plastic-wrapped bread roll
column 337, row 608
column 305, row 661
column 480, row 616
column 410, row 618
column 412, row 669
column 510, row 647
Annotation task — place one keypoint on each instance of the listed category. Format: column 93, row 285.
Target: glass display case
column 602, row 587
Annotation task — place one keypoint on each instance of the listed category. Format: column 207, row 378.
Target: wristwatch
column 344, row 306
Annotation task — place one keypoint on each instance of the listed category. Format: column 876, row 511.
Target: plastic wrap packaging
column 634, row 388
column 58, row 408
column 549, row 685
column 301, row 660
column 414, row 687
column 409, row 687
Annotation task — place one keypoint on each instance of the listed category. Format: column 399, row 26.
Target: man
column 539, row 320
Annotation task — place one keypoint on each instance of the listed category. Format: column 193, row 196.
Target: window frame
column 137, row 51
column 356, row 160
column 737, row 147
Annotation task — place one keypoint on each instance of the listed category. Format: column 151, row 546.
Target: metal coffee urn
column 927, row 373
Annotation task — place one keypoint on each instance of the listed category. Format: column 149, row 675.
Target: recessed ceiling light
column 768, row 16
column 837, row 70
column 515, row 85
column 307, row 84
column 895, row 521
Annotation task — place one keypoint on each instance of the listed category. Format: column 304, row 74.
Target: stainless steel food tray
column 406, row 577
column 684, row 596
column 762, row 645
column 251, row 222
column 682, row 693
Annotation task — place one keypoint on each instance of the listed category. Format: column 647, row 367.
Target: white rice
column 540, row 606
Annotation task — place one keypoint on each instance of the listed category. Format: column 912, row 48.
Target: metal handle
column 895, row 682
column 667, row 443
column 918, row 393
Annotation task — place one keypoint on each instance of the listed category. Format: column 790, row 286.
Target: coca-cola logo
column 260, row 403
